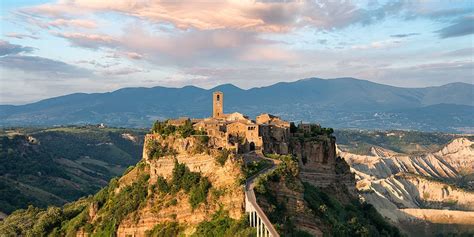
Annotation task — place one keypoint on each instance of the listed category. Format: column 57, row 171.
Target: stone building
column 237, row 132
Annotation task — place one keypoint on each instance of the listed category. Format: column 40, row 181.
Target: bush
column 222, row 225
column 192, row 183
column 222, row 157
column 198, row 193
column 252, row 168
column 163, row 128
column 156, row 150
column 120, row 205
column 354, row 219
column 162, row 185
column 165, row 230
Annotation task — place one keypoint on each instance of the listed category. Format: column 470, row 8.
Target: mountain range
column 339, row 103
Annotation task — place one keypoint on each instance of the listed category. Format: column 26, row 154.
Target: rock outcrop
column 319, row 164
column 167, row 208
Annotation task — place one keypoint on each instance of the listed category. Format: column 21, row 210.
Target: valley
column 53, row 166
column 422, row 184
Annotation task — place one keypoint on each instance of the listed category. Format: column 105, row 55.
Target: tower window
column 218, row 97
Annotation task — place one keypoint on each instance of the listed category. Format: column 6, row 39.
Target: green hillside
column 52, row 166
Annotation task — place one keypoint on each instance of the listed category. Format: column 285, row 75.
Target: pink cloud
column 245, row 15
column 93, row 41
column 122, row 71
column 79, row 23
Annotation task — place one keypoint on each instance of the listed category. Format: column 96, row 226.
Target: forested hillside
column 53, row 166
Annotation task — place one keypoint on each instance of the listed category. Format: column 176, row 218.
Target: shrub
column 162, row 185
column 252, row 168
column 165, row 230
column 192, row 183
column 354, row 219
column 198, row 193
column 163, row 128
column 157, row 150
column 222, row 225
column 222, row 157
column 121, row 204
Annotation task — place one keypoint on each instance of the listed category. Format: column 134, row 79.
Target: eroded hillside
column 424, row 192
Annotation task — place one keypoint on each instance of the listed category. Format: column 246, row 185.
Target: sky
column 53, row 48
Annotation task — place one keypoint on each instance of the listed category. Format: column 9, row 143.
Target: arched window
column 218, row 97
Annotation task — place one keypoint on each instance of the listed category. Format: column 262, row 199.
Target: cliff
column 181, row 186
column 225, row 193
column 185, row 186
column 319, row 164
column 420, row 189
column 312, row 193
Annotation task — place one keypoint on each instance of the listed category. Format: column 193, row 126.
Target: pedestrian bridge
column 257, row 217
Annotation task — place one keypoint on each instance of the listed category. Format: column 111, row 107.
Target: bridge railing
column 257, row 217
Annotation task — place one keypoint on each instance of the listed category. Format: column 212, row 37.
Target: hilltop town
column 225, row 175
column 237, row 132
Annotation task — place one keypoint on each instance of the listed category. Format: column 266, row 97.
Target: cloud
column 93, row 41
column 195, row 47
column 20, row 36
column 449, row 13
column 247, row 15
column 95, row 63
column 129, row 55
column 460, row 52
column 78, row 23
column 462, row 27
column 384, row 44
column 122, row 71
column 12, row 49
column 404, row 35
column 43, row 66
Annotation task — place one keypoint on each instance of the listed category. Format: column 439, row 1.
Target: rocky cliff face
column 319, row 164
column 166, row 208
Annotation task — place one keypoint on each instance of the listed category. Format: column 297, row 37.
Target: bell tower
column 217, row 104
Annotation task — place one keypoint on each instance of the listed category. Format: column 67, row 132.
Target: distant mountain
column 342, row 103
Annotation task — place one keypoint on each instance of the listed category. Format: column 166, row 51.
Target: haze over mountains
column 339, row 103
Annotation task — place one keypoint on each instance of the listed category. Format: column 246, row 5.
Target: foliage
column 293, row 128
column 409, row 142
column 39, row 222
column 162, row 185
column 222, row 157
column 222, row 225
column 156, row 150
column 168, row 229
column 192, row 183
column 165, row 129
column 38, row 176
column 119, row 205
column 317, row 130
column 353, row 219
column 198, row 193
column 287, row 170
column 251, row 168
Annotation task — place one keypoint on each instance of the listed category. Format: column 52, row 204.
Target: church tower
column 217, row 104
